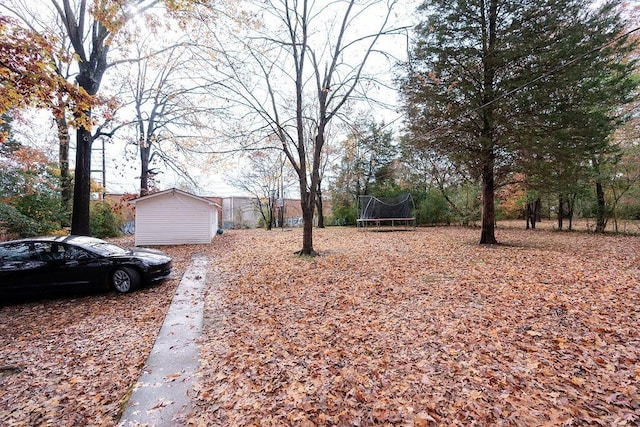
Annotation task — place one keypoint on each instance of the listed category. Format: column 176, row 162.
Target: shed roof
column 174, row 191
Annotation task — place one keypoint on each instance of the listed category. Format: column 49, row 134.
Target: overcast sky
column 123, row 177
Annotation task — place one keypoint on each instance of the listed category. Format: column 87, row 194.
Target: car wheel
column 125, row 280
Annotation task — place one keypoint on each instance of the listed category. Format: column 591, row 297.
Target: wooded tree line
column 506, row 102
column 511, row 104
column 520, row 91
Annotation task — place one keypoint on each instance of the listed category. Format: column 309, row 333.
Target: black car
column 47, row 265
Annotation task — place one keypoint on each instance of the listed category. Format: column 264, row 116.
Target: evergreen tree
column 583, row 102
column 497, row 86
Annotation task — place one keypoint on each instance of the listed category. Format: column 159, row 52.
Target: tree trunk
column 281, row 212
column 601, row 220
column 91, row 70
column 66, row 182
column 260, row 208
column 319, row 208
column 571, row 202
column 269, row 224
column 307, row 204
column 88, row 79
column 601, row 211
column 144, row 170
column 270, row 212
column 533, row 213
column 560, row 212
column 82, row 185
column 487, row 234
column 144, row 145
column 308, row 199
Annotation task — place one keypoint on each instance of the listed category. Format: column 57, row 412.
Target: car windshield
column 105, row 248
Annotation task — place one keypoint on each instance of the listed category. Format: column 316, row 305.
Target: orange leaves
column 74, row 360
column 28, row 75
column 26, row 72
column 422, row 328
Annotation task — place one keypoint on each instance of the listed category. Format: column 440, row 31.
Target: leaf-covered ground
column 422, row 328
column 406, row 328
column 72, row 361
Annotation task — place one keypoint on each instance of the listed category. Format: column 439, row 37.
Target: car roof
column 73, row 239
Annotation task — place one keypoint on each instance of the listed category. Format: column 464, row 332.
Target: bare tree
column 297, row 71
column 266, row 179
column 92, row 33
column 172, row 116
column 93, row 38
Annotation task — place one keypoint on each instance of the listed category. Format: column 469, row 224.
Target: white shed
column 173, row 217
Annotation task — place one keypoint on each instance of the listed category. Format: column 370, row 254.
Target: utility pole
column 103, row 170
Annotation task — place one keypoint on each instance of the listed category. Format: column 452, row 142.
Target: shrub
column 103, row 221
column 344, row 215
column 433, row 209
column 15, row 222
column 43, row 207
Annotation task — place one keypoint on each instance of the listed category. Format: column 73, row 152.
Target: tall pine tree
column 493, row 85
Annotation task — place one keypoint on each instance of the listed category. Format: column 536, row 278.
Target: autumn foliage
column 422, row 328
column 412, row 328
column 23, row 66
column 28, row 76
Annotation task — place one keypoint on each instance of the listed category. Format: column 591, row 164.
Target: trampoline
column 386, row 213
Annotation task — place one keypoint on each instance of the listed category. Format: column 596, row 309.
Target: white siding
column 174, row 218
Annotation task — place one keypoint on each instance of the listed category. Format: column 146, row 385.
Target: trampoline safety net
column 386, row 207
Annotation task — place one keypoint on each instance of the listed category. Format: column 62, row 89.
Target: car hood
column 152, row 255
column 137, row 250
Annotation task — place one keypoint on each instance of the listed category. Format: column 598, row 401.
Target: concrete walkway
column 161, row 395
